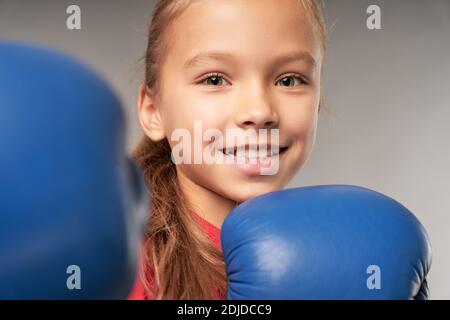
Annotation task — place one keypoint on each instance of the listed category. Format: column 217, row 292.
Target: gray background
column 386, row 123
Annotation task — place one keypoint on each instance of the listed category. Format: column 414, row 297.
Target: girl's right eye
column 213, row 79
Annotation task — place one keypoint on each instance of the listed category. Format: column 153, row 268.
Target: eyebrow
column 203, row 57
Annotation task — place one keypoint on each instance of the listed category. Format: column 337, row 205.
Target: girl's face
column 240, row 65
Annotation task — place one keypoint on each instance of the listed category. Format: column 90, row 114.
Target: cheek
column 299, row 122
column 185, row 108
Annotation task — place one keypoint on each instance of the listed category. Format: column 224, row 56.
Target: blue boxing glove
column 72, row 204
column 325, row 242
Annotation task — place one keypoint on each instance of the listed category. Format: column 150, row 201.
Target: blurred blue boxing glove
column 72, row 204
column 325, row 242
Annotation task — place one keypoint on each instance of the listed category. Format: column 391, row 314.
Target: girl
column 239, row 65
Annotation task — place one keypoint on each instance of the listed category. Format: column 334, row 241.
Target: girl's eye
column 291, row 81
column 214, row 79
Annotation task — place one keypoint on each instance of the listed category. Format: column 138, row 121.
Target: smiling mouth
column 254, row 152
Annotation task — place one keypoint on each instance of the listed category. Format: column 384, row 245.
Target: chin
column 249, row 192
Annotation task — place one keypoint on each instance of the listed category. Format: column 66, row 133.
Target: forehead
column 253, row 29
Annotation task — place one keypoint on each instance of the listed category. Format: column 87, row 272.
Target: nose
column 255, row 109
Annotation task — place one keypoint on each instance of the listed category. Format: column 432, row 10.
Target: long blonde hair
column 181, row 260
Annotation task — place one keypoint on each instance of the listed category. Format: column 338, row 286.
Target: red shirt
column 138, row 292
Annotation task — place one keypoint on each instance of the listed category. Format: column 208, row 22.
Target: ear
column 149, row 114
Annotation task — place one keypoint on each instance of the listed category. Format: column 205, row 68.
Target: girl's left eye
column 291, row 81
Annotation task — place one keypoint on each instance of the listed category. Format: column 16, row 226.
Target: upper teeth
column 252, row 152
